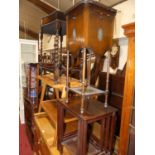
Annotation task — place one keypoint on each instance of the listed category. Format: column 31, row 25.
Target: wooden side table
column 93, row 111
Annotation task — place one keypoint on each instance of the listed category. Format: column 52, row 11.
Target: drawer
column 44, row 134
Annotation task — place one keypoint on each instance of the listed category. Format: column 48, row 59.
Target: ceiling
column 63, row 5
column 31, row 12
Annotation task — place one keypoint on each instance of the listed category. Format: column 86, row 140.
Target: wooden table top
column 49, row 80
column 50, row 107
column 92, row 108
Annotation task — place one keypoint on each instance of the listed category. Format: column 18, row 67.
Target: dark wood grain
column 87, row 18
column 94, row 111
column 116, row 87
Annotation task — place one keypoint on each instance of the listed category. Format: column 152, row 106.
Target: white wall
column 48, row 42
column 125, row 15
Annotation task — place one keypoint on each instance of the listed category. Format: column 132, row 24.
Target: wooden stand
column 53, row 24
column 93, row 112
column 31, row 99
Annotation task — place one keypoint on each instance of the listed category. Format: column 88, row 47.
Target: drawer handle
column 42, row 141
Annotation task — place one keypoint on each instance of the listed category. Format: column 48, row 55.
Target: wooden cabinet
column 89, row 25
column 127, row 122
column 31, row 99
column 29, row 110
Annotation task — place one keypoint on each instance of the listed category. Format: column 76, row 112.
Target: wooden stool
column 48, row 80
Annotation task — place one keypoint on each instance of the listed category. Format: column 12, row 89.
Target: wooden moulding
column 129, row 30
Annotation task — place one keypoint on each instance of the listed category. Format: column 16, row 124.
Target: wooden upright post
column 129, row 31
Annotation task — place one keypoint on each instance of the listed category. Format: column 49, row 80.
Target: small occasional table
column 92, row 111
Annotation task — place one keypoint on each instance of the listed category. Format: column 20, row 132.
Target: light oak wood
column 50, row 107
column 129, row 31
column 48, row 80
column 42, row 95
column 47, row 135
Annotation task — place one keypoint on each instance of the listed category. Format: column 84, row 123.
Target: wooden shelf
column 50, row 107
column 47, row 132
column 72, row 146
